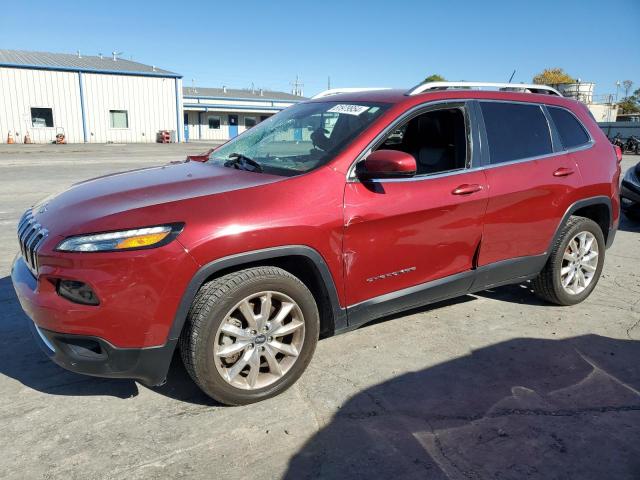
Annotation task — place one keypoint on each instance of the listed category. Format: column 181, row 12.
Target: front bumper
column 83, row 338
column 97, row 357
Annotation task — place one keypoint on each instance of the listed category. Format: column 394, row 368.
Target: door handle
column 563, row 172
column 466, row 189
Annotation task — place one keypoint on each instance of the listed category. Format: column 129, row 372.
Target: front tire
column 574, row 265
column 250, row 334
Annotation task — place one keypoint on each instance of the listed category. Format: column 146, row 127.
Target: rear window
column 515, row 131
column 571, row 131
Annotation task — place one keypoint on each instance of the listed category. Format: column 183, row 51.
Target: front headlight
column 137, row 238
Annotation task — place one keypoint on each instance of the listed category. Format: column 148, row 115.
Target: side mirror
column 386, row 164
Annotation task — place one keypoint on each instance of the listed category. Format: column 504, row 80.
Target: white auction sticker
column 348, row 109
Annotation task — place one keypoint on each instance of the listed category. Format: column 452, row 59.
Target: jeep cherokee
column 338, row 210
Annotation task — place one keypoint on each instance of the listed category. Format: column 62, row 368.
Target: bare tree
column 627, row 84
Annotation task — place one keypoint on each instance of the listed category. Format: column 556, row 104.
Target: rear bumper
column 86, row 354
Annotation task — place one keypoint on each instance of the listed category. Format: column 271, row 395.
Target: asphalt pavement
column 497, row 385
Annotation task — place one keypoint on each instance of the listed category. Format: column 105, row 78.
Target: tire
column 204, row 338
column 548, row 284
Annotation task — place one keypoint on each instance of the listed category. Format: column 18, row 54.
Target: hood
column 77, row 209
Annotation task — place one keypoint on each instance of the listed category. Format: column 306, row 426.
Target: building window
column 119, row 118
column 42, row 117
column 250, row 122
column 214, row 122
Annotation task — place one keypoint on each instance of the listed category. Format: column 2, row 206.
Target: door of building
column 233, row 126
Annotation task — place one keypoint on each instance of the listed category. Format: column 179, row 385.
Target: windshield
column 298, row 139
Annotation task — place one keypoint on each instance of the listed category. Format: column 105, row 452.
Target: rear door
column 531, row 181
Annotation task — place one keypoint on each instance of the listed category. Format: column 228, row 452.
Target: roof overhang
column 91, row 70
column 202, row 107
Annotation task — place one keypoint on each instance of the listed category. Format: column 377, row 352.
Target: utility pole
column 296, row 87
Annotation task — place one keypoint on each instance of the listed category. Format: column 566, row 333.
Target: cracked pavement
column 496, row 385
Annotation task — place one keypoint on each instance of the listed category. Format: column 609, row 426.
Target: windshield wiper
column 242, row 162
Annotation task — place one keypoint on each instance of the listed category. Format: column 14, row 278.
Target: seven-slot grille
column 31, row 235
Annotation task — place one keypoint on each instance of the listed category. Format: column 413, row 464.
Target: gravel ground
column 495, row 385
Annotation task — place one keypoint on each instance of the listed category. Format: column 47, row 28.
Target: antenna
column 511, row 77
column 296, row 87
column 115, row 55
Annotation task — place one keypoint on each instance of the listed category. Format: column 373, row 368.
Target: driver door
column 411, row 241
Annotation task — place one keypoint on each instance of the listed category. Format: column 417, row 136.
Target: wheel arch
column 598, row 209
column 299, row 260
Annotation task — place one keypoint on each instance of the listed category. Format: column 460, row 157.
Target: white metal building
column 88, row 98
column 223, row 113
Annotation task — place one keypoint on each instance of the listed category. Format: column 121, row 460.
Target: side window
column 41, row 117
column 515, row 131
column 250, row 122
column 437, row 139
column 571, row 131
column 119, row 118
column 214, row 122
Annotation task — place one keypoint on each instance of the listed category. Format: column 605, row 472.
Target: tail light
column 618, row 151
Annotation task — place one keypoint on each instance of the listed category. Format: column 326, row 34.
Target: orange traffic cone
column 27, row 138
column 10, row 138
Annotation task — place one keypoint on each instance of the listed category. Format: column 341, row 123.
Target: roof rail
column 511, row 87
column 336, row 91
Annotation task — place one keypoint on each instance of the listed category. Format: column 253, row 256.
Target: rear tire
column 250, row 334
column 571, row 273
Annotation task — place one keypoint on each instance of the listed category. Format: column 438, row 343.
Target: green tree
column 553, row 76
column 434, row 78
column 629, row 105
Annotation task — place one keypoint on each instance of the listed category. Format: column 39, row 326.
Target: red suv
column 336, row 211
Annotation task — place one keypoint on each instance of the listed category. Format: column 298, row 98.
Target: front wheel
column 250, row 334
column 574, row 265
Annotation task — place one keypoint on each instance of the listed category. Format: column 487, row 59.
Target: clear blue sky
column 364, row 43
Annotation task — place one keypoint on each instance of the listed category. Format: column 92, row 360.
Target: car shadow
column 520, row 293
column 523, row 408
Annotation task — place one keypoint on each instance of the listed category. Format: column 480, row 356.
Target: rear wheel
column 575, row 264
column 250, row 334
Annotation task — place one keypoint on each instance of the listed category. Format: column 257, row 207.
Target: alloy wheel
column 579, row 263
column 259, row 340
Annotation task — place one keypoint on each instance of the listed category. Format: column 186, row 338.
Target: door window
column 515, row 131
column 572, row 133
column 437, row 139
